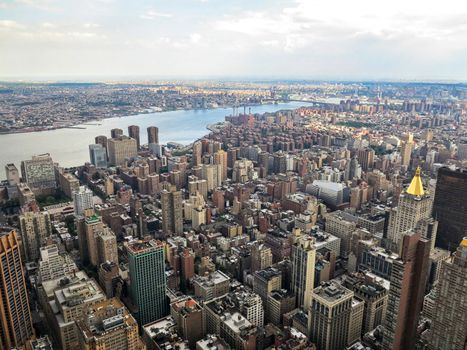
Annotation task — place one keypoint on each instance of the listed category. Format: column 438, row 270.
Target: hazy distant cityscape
column 233, row 175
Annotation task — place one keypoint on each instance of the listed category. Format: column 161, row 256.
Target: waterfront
column 69, row 147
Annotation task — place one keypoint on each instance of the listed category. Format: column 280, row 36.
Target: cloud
column 46, row 5
column 195, row 38
column 48, row 25
column 152, row 15
column 9, row 24
column 91, row 25
column 297, row 38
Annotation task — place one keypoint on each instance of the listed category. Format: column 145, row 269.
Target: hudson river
column 69, row 147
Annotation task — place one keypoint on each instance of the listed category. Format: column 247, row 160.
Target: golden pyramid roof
column 416, row 186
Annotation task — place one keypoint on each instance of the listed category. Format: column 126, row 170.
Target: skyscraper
column 98, row 155
column 107, row 250
column 406, row 292
column 261, row 257
column 413, row 206
column 303, row 269
column 35, row 228
column 449, row 323
column 88, row 227
column 133, row 132
column 12, row 174
column 120, row 149
column 406, row 150
column 220, row 157
column 172, row 211
column 147, row 279
column 108, row 325
column 15, row 316
column 153, row 134
column 450, row 207
column 39, row 174
column 114, row 133
column 329, row 316
column 82, row 200
column 197, row 153
column 366, row 158
column 101, row 140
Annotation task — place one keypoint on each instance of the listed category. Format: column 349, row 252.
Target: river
column 69, row 147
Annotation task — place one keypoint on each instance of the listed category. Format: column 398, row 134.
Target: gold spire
column 416, row 186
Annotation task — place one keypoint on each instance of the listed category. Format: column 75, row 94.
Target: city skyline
column 233, row 175
column 241, row 39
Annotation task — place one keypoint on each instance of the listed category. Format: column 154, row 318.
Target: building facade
column 147, row 279
column 15, row 315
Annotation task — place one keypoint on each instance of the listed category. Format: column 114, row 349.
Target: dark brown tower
column 450, row 207
column 153, row 134
column 133, row 132
column 114, row 133
column 15, row 316
column 408, row 281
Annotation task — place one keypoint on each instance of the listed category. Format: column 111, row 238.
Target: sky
column 269, row 39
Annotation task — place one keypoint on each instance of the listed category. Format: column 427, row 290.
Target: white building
column 82, row 200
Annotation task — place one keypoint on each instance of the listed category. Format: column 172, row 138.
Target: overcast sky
column 309, row 39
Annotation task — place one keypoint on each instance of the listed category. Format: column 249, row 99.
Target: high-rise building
column 68, row 183
column 120, row 149
column 12, row 174
column 338, row 225
column 82, row 200
column 303, row 270
column 69, row 303
column 187, row 262
column 133, row 132
column 88, row 228
column 39, row 174
column 330, row 316
column 406, row 150
column 261, row 257
column 147, row 279
column 106, row 243
column 237, row 331
column 279, row 302
column 450, row 207
column 374, row 293
column 15, row 316
column 153, row 134
column 356, row 320
column 35, row 228
column 220, row 157
column 366, row 157
column 414, row 205
column 98, row 155
column 212, row 286
column 172, row 211
column 101, row 140
column 406, row 292
column 197, row 153
column 53, row 265
column 264, row 283
column 189, row 316
column 243, row 170
column 108, row 325
column 114, row 133
column 449, row 321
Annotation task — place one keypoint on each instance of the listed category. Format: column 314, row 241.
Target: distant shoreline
column 149, row 111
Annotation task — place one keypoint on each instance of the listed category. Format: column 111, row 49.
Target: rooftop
column 143, row 246
column 268, row 273
column 416, row 186
column 332, row 292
